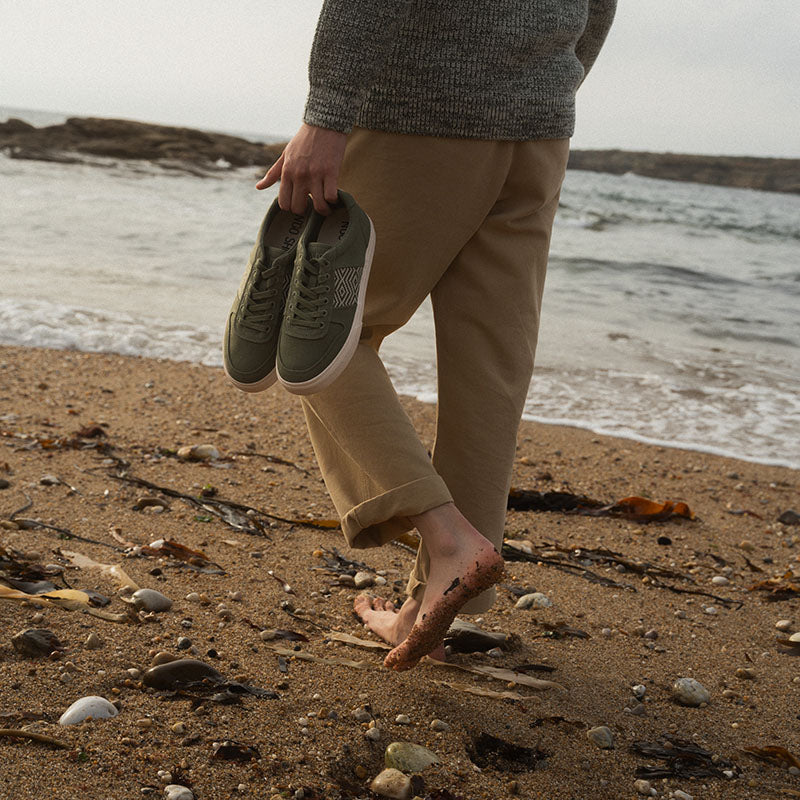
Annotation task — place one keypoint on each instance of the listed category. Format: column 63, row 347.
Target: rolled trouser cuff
column 385, row 517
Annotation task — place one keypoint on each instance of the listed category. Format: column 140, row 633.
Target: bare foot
column 463, row 564
column 391, row 624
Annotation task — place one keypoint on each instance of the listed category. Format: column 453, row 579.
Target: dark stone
column 36, row 642
column 183, row 672
column 789, row 517
column 4, row 484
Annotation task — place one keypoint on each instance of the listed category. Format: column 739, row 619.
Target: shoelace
column 311, row 295
column 260, row 305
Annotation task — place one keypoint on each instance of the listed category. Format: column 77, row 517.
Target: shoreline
column 641, row 619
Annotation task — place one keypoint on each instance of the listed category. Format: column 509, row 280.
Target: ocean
column 671, row 313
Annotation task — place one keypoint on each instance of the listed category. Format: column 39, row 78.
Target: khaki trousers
column 467, row 222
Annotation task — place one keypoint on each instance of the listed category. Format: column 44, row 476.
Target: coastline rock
column 602, row 736
column 36, row 642
column 392, row 783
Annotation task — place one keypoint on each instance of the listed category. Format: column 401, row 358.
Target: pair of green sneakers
column 297, row 315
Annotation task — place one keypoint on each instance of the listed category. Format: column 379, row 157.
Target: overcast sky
column 682, row 75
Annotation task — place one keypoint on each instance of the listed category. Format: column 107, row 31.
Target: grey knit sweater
column 484, row 69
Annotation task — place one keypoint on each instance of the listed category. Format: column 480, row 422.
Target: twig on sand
column 36, row 737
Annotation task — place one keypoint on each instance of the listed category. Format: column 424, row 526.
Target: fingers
column 273, row 174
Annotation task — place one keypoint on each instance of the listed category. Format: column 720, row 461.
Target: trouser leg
column 486, row 311
column 426, row 197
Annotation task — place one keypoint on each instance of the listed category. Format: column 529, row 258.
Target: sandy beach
column 90, row 469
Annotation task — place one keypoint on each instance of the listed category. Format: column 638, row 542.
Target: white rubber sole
column 259, row 386
column 342, row 359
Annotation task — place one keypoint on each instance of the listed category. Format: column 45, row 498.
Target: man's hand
column 308, row 166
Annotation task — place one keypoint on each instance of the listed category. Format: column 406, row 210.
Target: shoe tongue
column 316, row 249
column 275, row 252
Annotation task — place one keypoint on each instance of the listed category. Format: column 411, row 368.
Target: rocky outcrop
column 768, row 174
column 82, row 139
column 92, row 139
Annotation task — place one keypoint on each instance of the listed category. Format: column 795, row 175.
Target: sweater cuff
column 331, row 108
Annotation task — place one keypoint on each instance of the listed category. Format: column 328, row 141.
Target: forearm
column 601, row 15
column 352, row 42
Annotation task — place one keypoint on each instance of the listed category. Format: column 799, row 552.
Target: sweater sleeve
column 601, row 15
column 351, row 44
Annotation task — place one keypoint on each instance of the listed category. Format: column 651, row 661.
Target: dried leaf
column 197, row 559
column 775, row 754
column 531, row 500
column 354, row 640
column 505, row 675
column 112, row 570
column 640, row 509
column 303, row 656
column 781, row 587
column 477, row 690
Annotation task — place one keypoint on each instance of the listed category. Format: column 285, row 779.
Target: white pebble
column 720, row 580
column 373, row 734
column 784, row 625
column 88, row 707
column 402, row 719
column 642, row 786
column 678, row 794
column 392, row 783
column 439, row 725
column 177, row 792
column 151, row 600
column 690, row 692
column 639, row 690
column 534, row 600
column 709, row 609
column 362, row 580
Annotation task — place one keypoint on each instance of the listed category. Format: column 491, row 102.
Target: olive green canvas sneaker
column 322, row 321
column 251, row 333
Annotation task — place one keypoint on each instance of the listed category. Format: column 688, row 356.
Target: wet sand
column 148, row 410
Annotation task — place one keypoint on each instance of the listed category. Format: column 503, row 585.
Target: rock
column 642, row 786
column 534, row 600
column 784, row 625
column 710, row 610
column 4, row 484
column 601, row 736
column 795, row 638
column 36, row 642
column 179, row 673
column 746, row 674
column 789, row 517
column 362, row 715
column 639, row 690
column 747, row 546
column 466, row 637
column 689, row 692
column 91, row 707
column 392, row 783
column 151, row 600
column 163, row 657
column 720, row 580
column 439, row 725
column 373, row 734
column 184, row 643
column 408, row 757
column 362, row 580
column 678, row 794
column 93, row 642
column 174, row 791
column 402, row 719
column 198, row 452
column 50, row 480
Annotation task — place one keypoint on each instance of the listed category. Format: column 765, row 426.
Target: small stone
column 652, row 634
column 392, row 783
column 720, row 580
column 198, row 452
column 178, row 727
column 602, row 736
column 678, row 794
column 362, row 715
column 362, row 580
column 680, row 614
column 747, row 546
column 534, row 600
column 784, row 625
column 151, row 600
column 689, row 692
column 184, row 643
column 177, row 673
column 36, row 642
column 746, row 674
column 91, row 707
column 495, row 652
column 373, row 734
column 360, row 771
column 163, row 657
column 639, row 690
column 439, row 725
column 789, row 517
column 710, row 610
column 93, row 642
column 177, row 792
column 145, row 723
column 402, row 719
column 37, row 618
column 409, row 757
column 235, row 596
column 642, row 786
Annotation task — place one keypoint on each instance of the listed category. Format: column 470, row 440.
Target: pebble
column 409, row 757
column 86, row 707
column 720, row 580
column 747, row 546
column 373, row 734
column 601, row 736
column 709, row 610
column 439, row 725
column 746, row 674
column 178, row 727
column 177, row 792
column 784, row 625
column 534, row 600
column 145, row 723
column 795, row 637
column 362, row 580
column 642, row 786
column 362, row 715
column 678, row 794
column 689, row 692
column 151, row 600
column 163, row 657
column 402, row 719
column 93, row 642
column 184, row 643
column 35, row 642
column 198, row 452
column 175, row 673
column 639, row 690
column 392, row 783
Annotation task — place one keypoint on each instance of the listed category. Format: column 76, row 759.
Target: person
column 449, row 121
